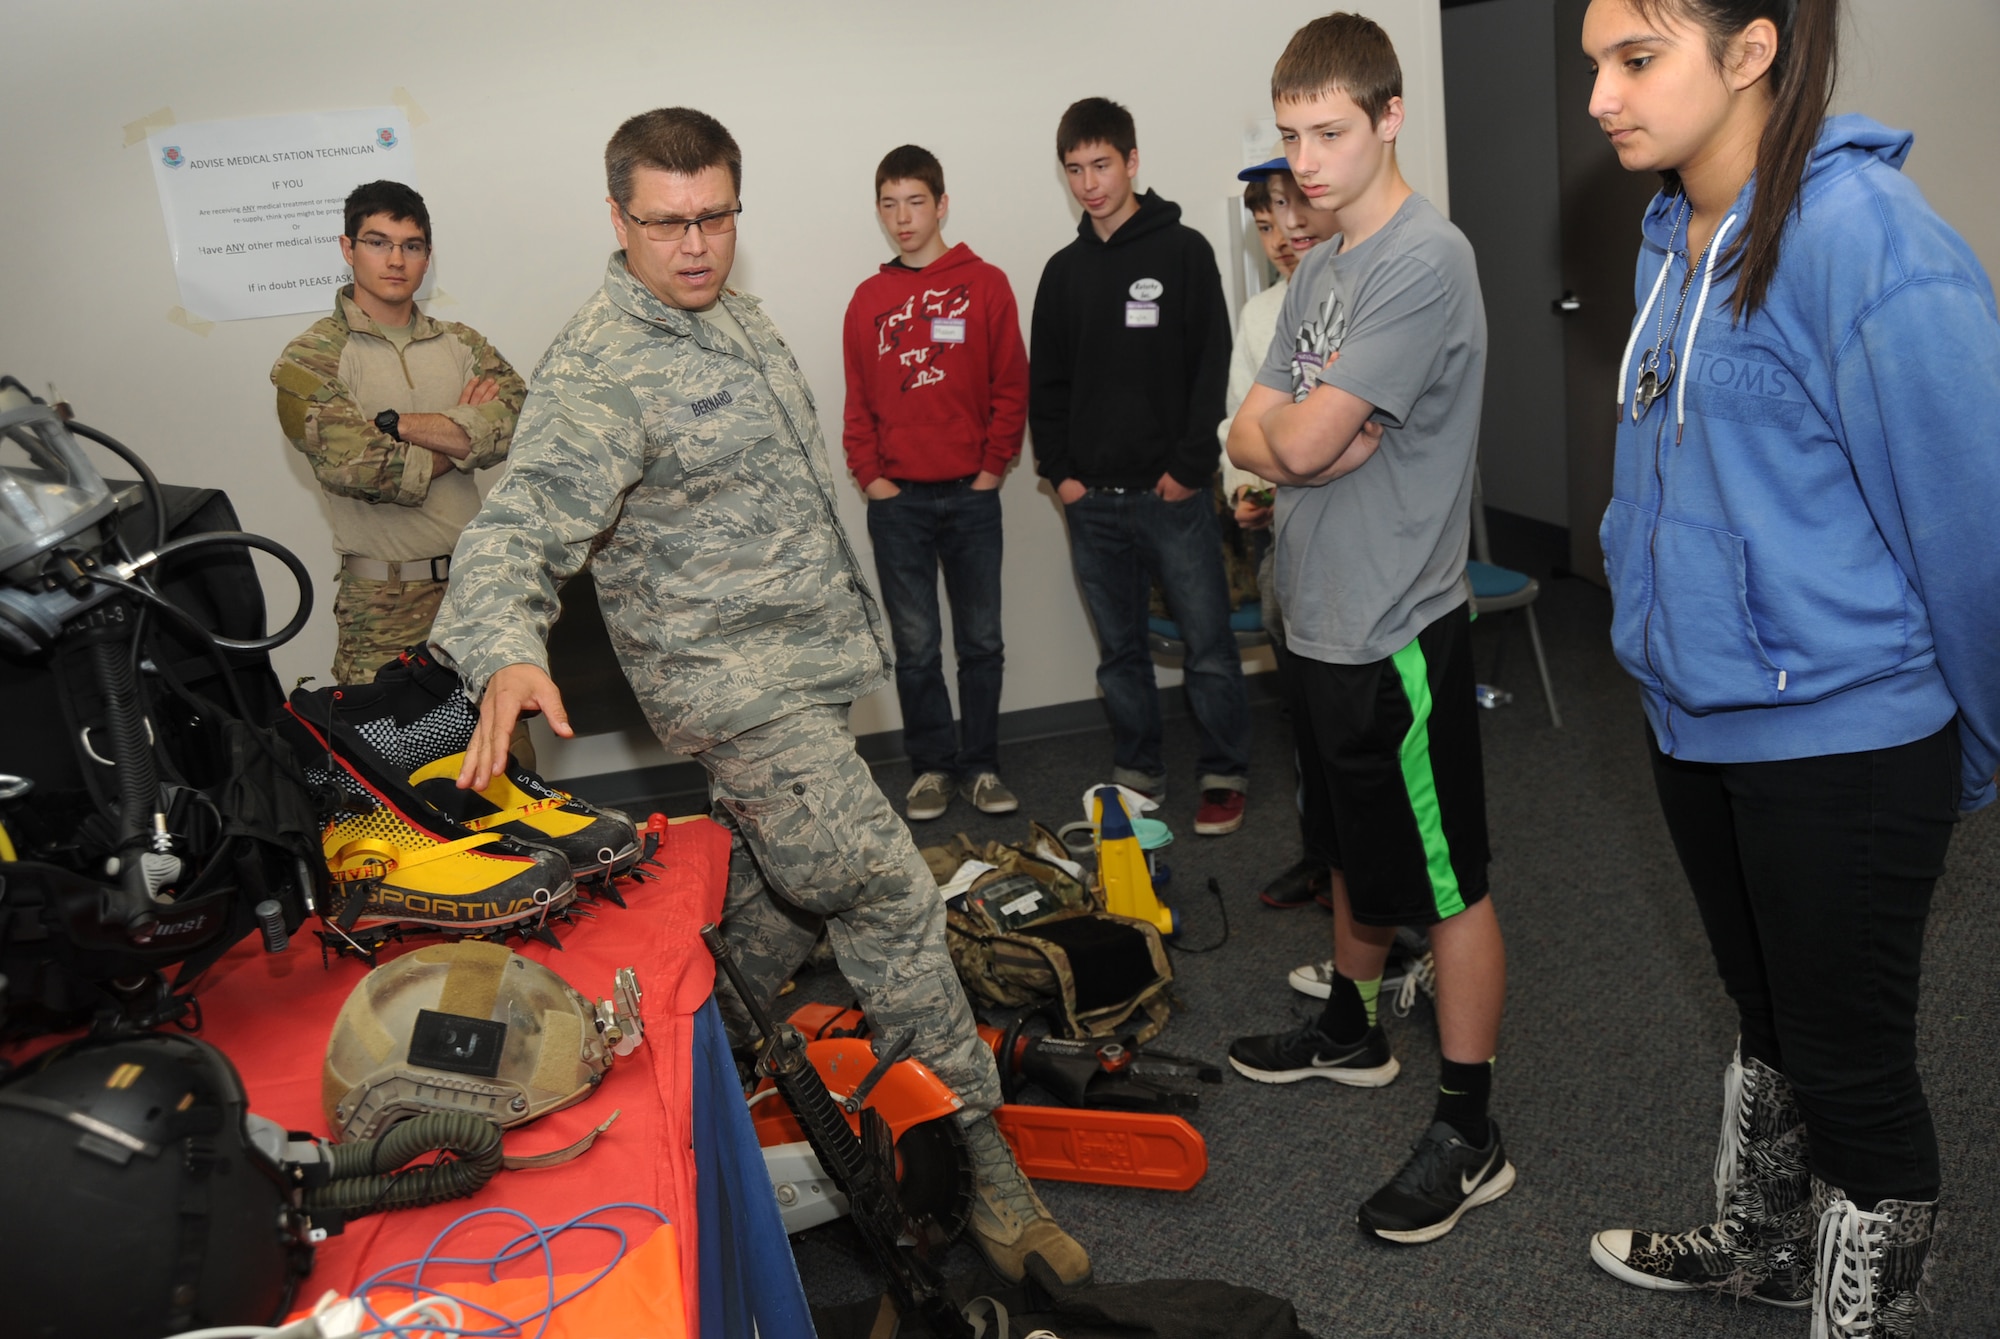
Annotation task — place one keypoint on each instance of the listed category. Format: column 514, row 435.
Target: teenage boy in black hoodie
column 1129, row 363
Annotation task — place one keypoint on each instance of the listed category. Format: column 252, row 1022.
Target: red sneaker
column 1220, row 814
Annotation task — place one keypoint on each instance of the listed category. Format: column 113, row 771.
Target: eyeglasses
column 416, row 248
column 673, row 230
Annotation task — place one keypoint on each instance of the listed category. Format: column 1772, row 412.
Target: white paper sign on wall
column 253, row 206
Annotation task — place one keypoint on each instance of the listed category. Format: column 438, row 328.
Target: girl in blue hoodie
column 1806, row 586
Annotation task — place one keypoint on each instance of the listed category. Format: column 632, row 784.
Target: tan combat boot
column 1009, row 1221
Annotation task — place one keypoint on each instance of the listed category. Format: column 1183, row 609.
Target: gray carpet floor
column 1608, row 1088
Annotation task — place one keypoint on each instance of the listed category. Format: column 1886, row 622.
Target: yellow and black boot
column 400, row 866
column 419, row 721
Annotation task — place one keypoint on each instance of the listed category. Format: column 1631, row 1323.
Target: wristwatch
column 386, row 421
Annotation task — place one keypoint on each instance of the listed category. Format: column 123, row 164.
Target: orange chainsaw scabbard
column 1105, row 1148
column 818, row 1021
column 907, row 1093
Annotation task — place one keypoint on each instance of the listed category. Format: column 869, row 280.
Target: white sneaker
column 929, row 797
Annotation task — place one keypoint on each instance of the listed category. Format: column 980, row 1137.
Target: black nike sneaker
column 1308, row 1053
column 1444, row 1177
column 418, row 720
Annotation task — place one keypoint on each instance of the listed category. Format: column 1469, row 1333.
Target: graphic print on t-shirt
column 1314, row 340
column 920, row 332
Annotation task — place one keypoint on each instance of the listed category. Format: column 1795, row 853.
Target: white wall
column 1927, row 66
column 520, row 98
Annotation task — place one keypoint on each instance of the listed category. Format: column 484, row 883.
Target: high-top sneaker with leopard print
column 1757, row 1246
column 1872, row 1266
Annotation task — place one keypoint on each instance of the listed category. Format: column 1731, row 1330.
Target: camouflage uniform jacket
column 694, row 482
column 381, row 497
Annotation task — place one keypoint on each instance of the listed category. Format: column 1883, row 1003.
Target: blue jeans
column 1119, row 543
column 954, row 526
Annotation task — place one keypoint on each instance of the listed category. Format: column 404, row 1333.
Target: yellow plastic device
column 1121, row 865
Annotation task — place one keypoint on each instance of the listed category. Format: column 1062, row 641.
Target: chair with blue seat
column 1163, row 635
column 1497, row 590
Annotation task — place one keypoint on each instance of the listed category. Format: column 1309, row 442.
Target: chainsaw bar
column 1145, row 1150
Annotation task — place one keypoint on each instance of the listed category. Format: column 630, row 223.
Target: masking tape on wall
column 136, row 131
column 187, row 320
column 401, row 97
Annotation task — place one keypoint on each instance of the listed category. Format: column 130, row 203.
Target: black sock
column 1350, row 1009
column 1463, row 1091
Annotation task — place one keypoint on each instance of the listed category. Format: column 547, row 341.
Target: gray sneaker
column 930, row 797
column 989, row 795
column 1402, row 978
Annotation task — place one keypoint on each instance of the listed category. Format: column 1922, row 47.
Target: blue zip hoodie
column 1803, row 541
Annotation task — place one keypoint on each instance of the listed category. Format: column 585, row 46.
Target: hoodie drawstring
column 1686, row 362
column 1625, row 362
column 1687, row 349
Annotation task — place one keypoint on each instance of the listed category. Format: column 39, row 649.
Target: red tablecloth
column 272, row 1014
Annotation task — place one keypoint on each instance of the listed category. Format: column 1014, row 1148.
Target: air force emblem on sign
column 171, row 155
column 386, row 137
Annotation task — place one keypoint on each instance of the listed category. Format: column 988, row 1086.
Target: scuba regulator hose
column 370, row 1175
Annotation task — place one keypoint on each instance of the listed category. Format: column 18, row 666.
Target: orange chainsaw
column 1144, row 1149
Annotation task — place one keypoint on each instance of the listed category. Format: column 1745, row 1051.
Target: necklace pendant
column 1654, row 378
column 1648, row 390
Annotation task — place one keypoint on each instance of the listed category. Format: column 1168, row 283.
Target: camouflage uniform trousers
column 379, row 620
column 814, row 841
column 376, row 621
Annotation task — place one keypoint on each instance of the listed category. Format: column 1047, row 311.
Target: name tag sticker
column 1141, row 314
column 947, row 330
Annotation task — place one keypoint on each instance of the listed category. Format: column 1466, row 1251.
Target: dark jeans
column 1120, row 542
column 1813, row 877
column 957, row 527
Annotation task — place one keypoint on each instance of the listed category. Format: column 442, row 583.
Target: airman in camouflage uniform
column 670, row 441
column 692, row 476
column 398, row 489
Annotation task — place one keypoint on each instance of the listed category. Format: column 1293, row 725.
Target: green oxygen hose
column 368, row 1175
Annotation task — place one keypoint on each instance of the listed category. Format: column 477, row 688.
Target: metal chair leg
column 1542, row 664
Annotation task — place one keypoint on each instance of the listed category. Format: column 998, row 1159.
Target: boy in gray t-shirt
column 1366, row 413
column 1366, row 563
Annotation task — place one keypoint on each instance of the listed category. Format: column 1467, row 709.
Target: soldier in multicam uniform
column 671, row 442
column 395, row 410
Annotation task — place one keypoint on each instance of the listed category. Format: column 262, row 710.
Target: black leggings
column 1813, row 877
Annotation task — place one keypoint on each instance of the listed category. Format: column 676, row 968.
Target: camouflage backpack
column 1025, row 933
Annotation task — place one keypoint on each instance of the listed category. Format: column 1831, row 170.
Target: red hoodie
column 937, row 375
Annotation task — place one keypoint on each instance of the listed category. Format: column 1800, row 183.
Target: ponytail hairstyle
column 1802, row 76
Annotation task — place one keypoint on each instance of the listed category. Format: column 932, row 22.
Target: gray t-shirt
column 1368, row 561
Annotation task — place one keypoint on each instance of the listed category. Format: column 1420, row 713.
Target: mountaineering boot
column 1009, row 1221
column 397, row 865
column 1871, row 1266
column 418, row 720
column 1759, row 1244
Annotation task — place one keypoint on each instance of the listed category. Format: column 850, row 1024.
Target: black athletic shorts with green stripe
column 1393, row 791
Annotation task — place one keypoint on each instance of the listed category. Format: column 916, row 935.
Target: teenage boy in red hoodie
column 937, row 399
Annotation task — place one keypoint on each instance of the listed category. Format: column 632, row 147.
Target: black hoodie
column 1119, row 392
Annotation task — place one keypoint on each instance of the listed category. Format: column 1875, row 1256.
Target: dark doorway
column 1554, row 221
